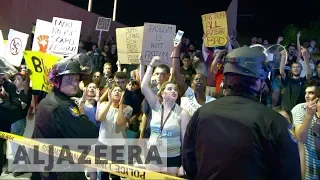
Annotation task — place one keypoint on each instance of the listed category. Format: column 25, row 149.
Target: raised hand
column 311, row 107
column 155, row 60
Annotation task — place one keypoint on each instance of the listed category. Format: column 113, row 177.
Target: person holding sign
column 168, row 122
column 57, row 115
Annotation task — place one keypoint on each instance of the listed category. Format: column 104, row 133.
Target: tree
column 310, row 32
column 290, row 34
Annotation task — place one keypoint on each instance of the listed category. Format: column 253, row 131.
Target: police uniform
column 57, row 116
column 236, row 137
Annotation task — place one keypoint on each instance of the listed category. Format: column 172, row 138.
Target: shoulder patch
column 292, row 134
column 1, row 101
column 74, row 111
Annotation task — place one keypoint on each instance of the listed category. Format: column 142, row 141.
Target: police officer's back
column 236, row 137
column 57, row 115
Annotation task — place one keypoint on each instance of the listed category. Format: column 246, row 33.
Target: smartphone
column 178, row 37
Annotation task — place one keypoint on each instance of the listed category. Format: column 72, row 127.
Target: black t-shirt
column 294, row 92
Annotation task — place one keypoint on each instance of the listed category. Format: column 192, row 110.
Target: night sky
column 269, row 16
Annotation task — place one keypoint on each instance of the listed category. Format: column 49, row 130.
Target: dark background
column 269, row 17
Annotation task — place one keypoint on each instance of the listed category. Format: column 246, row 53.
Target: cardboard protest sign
column 215, row 29
column 65, row 35
column 129, row 44
column 2, row 46
column 158, row 41
column 40, row 65
column 42, row 33
column 17, row 42
column 103, row 24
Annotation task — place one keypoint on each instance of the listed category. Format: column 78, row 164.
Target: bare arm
column 298, row 47
column 143, row 125
column 185, row 118
column 141, row 72
column 282, row 64
column 145, row 88
column 176, row 70
column 102, row 110
column 121, row 119
column 306, row 57
column 214, row 67
column 303, row 129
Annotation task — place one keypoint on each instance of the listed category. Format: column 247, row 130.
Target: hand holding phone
column 178, row 37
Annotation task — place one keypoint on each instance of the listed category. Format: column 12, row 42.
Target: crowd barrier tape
column 121, row 170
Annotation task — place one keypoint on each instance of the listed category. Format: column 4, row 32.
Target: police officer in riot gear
column 57, row 115
column 236, row 137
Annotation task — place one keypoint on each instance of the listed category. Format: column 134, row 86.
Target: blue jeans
column 17, row 128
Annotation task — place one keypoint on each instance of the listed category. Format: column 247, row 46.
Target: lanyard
column 163, row 123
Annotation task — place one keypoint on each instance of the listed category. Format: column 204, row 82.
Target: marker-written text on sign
column 132, row 38
column 215, row 29
column 39, row 67
column 158, row 41
column 65, row 36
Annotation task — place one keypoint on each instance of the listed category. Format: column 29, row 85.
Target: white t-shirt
column 109, row 128
column 189, row 101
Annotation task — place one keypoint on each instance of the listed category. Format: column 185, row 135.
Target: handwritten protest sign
column 215, row 29
column 17, row 42
column 103, row 24
column 42, row 33
column 40, row 65
column 129, row 44
column 158, row 41
column 2, row 46
column 65, row 35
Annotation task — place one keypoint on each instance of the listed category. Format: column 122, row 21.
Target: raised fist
column 43, row 41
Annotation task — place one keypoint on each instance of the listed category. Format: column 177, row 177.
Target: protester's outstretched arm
column 214, row 67
column 145, row 88
column 298, row 46
column 176, row 69
column 306, row 56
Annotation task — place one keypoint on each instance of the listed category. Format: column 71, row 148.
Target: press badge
column 74, row 111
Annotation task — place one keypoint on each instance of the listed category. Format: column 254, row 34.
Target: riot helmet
column 78, row 64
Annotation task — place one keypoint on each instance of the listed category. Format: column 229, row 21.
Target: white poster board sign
column 17, row 42
column 158, row 41
column 65, row 35
column 2, row 47
column 103, row 24
column 41, row 36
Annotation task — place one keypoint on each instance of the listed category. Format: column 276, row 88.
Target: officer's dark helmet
column 78, row 64
column 243, row 67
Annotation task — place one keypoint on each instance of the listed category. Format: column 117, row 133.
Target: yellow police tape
column 117, row 169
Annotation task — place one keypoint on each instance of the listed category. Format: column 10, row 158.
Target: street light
column 90, row 5
column 114, row 10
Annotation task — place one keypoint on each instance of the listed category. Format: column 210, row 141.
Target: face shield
column 77, row 64
column 274, row 53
